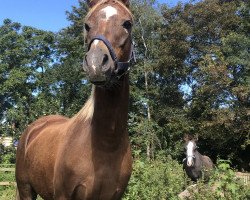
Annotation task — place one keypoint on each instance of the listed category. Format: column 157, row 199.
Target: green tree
column 25, row 55
column 69, row 82
column 218, row 65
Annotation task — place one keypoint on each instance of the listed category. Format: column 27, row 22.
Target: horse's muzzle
column 98, row 65
column 190, row 161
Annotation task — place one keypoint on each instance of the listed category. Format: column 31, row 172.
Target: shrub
column 223, row 185
column 159, row 179
column 7, row 155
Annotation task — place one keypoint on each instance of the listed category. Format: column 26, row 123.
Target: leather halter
column 121, row 67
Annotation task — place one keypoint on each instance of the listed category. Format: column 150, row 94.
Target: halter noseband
column 121, row 67
column 191, row 156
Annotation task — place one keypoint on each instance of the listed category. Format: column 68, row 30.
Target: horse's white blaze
column 93, row 67
column 109, row 12
column 190, row 154
column 95, row 42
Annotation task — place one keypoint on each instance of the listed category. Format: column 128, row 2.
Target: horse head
column 108, row 35
column 191, row 148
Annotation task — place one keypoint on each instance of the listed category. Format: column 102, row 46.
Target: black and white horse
column 196, row 165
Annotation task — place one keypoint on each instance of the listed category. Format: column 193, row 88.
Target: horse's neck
column 197, row 154
column 109, row 120
column 198, row 158
column 110, row 109
column 105, row 113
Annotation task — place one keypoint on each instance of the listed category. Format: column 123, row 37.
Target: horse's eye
column 127, row 25
column 87, row 27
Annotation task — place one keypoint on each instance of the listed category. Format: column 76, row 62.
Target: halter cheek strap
column 121, row 67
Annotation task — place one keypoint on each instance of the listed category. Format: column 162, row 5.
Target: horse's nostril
column 105, row 59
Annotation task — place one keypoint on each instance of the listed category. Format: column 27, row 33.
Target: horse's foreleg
column 79, row 192
column 25, row 192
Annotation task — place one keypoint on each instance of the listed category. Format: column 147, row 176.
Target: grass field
column 7, row 175
column 7, row 192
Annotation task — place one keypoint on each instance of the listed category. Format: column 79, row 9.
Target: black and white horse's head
column 191, row 148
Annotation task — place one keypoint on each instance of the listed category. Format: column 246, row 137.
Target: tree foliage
column 25, row 55
column 191, row 76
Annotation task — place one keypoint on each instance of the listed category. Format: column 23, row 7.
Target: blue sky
column 43, row 14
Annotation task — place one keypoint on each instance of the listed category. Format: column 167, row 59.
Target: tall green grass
column 7, row 192
column 164, row 179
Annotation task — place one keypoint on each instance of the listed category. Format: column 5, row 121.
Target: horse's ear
column 91, row 3
column 196, row 137
column 186, row 137
column 125, row 2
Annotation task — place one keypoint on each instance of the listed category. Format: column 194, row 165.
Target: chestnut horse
column 196, row 166
column 87, row 156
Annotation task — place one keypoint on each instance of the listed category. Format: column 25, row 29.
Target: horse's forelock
column 92, row 3
column 106, row 1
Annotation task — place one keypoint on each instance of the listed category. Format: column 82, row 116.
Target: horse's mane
column 87, row 111
column 105, row 1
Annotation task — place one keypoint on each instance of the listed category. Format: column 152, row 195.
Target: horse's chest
column 97, row 175
column 101, row 187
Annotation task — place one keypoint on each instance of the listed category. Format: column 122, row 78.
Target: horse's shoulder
column 34, row 129
column 207, row 158
column 50, row 118
column 208, row 163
